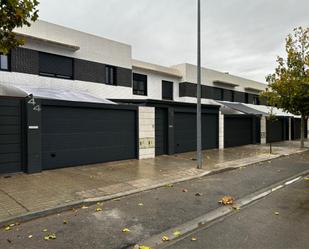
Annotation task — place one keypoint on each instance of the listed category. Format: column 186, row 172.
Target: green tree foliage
column 13, row 14
column 289, row 85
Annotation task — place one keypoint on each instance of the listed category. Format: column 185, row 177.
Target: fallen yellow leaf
column 126, row 230
column 30, row 236
column 165, row 238
column 45, row 230
column 236, row 208
column 144, row 247
column 140, row 204
column 50, row 237
column 170, row 185
column 98, row 209
column 193, row 239
column 65, row 222
column 177, row 233
column 8, row 228
column 276, row 213
column 84, row 207
column 306, row 178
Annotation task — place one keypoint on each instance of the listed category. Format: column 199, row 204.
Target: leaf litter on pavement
column 227, row 200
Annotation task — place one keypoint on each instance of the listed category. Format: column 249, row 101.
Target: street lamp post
column 198, row 113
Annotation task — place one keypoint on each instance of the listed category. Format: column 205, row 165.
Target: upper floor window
column 55, row 66
column 167, row 90
column 4, row 62
column 139, row 84
column 110, row 75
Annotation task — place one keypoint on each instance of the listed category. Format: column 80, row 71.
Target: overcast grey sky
column 242, row 37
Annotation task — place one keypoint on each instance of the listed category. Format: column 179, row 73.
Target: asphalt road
column 280, row 221
column 148, row 213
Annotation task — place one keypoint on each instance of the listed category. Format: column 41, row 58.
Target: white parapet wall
column 221, row 130
column 146, row 122
column 263, row 130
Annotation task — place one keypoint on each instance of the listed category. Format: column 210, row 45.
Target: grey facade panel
column 25, row 61
column 124, row 77
column 240, row 97
column 228, row 95
column 187, row 89
column 89, row 71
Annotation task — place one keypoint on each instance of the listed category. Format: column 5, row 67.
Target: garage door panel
column 237, row 131
column 10, row 167
column 161, row 131
column 210, row 131
column 297, row 128
column 275, row 130
column 78, row 140
column 185, row 132
column 9, row 120
column 110, row 121
column 76, row 136
column 10, row 136
column 77, row 157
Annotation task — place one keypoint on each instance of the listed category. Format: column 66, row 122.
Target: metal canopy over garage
column 47, row 93
column 243, row 108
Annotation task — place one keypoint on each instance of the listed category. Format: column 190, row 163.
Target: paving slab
column 22, row 193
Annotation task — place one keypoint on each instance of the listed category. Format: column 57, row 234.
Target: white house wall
column 92, row 48
column 189, row 73
column 36, row 81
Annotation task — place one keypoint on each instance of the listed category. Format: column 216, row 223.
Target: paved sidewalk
column 21, row 194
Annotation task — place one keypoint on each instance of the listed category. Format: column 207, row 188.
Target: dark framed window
column 4, row 62
column 52, row 65
column 167, row 90
column 110, row 75
column 139, row 84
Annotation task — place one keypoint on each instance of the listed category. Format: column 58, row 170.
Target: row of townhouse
column 70, row 98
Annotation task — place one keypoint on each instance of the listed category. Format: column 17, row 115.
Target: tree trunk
column 302, row 131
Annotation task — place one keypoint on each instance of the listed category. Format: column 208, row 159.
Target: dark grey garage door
column 10, row 136
column 275, row 130
column 185, row 131
column 75, row 136
column 161, row 131
column 238, row 130
column 296, row 128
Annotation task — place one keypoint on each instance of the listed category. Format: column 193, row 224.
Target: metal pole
column 198, row 114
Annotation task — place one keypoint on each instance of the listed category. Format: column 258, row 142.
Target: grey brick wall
column 25, row 61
